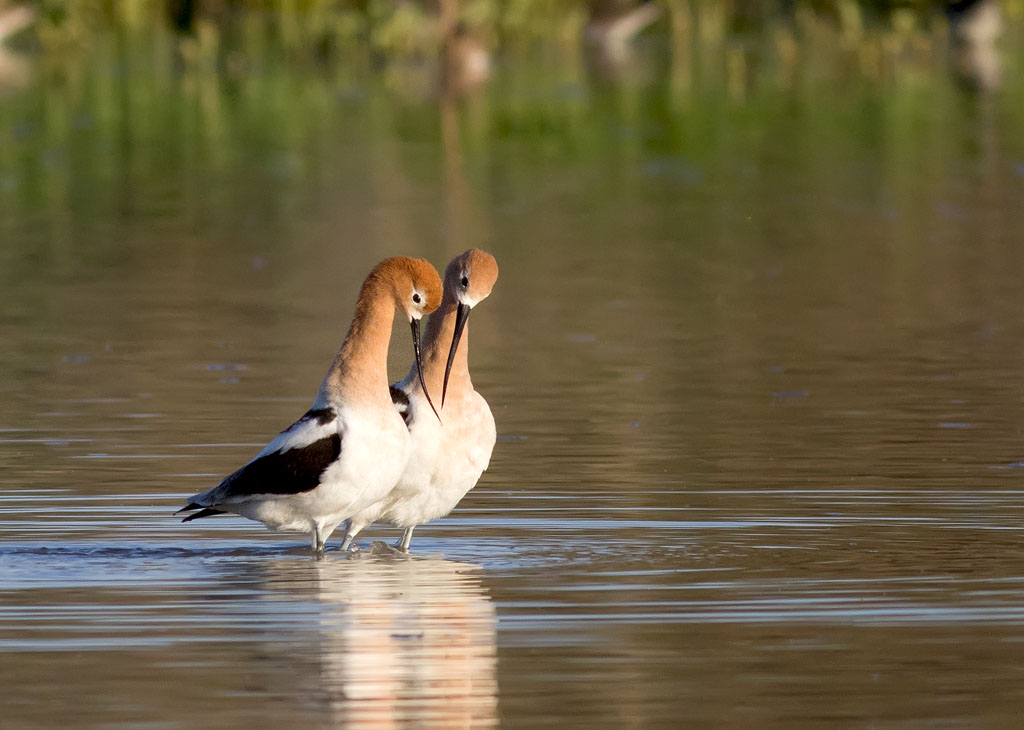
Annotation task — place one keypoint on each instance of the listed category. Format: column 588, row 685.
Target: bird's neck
column 436, row 343
column 360, row 372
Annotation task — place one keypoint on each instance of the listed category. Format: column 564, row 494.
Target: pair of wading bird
column 368, row 452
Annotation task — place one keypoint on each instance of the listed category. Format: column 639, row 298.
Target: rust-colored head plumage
column 471, row 276
column 414, row 283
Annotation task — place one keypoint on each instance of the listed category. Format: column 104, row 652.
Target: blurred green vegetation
column 318, row 30
column 253, row 117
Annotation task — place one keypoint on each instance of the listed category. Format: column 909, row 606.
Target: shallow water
column 755, row 364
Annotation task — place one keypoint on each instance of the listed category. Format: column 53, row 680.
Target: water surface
column 754, row 356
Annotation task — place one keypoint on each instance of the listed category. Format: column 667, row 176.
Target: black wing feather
column 208, row 512
column 293, row 471
column 323, row 416
column 401, row 402
column 296, row 470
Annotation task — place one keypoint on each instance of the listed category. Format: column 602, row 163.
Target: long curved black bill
column 419, row 363
column 461, row 317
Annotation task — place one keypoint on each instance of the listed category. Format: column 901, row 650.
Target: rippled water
column 755, row 365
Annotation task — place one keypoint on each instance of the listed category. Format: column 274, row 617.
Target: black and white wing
column 292, row 463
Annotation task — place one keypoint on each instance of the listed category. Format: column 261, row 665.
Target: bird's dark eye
column 465, row 281
column 416, row 298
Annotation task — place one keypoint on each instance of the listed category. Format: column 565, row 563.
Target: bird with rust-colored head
column 350, row 448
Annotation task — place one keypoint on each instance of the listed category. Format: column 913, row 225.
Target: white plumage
column 348, row 451
column 447, row 458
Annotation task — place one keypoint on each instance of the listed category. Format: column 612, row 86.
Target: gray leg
column 403, row 544
column 351, row 530
column 318, row 542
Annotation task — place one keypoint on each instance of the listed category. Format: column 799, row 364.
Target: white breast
column 375, row 448
column 461, row 452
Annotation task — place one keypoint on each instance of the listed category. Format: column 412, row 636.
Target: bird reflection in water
column 403, row 640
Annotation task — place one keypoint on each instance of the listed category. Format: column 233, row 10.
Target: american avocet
column 349, row 449
column 448, row 456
